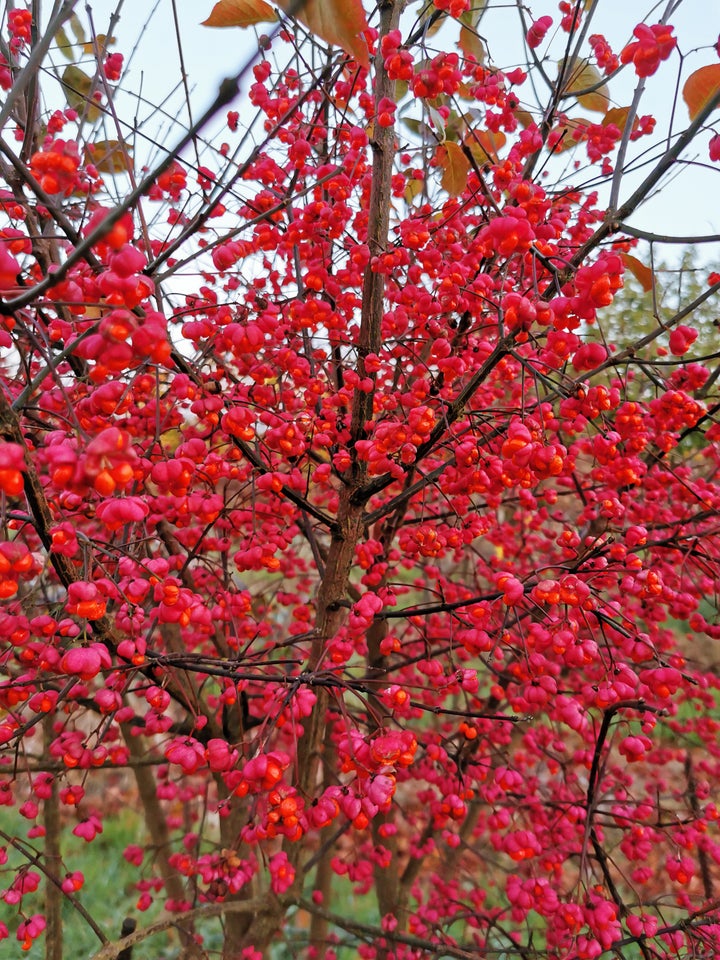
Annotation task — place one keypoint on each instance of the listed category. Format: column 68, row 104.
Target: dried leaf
column 582, row 75
column 338, row 22
column 700, row 87
column 465, row 92
column 471, row 45
column 455, row 166
column 76, row 87
column 109, row 156
column 239, row 13
column 637, row 268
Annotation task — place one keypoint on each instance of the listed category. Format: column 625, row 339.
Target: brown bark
column 157, row 828
column 235, row 925
column 349, row 528
column 53, row 862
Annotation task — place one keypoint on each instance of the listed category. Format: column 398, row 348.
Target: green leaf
column 401, row 89
column 77, row 28
column 434, row 18
column 64, row 44
column 438, row 121
column 76, row 87
column 417, row 127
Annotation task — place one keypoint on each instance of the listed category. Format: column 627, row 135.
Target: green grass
column 108, row 893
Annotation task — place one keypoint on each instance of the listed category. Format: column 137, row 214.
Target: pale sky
column 688, row 205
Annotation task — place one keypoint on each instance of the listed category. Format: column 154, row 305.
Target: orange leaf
column 700, row 87
column 619, row 117
column 471, row 45
column 455, row 166
column 338, row 22
column 484, row 145
column 642, row 274
column 524, row 118
column 239, row 13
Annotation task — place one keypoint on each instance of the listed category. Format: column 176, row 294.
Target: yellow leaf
column 616, row 115
column 455, row 166
column 76, row 87
column 337, row 22
column 109, row 156
column 401, row 88
column 571, row 133
column 102, row 42
column 412, row 189
column 701, row 87
column 642, row 274
column 239, row 13
column 584, row 76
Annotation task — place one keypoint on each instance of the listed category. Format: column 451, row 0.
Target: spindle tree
column 344, row 525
